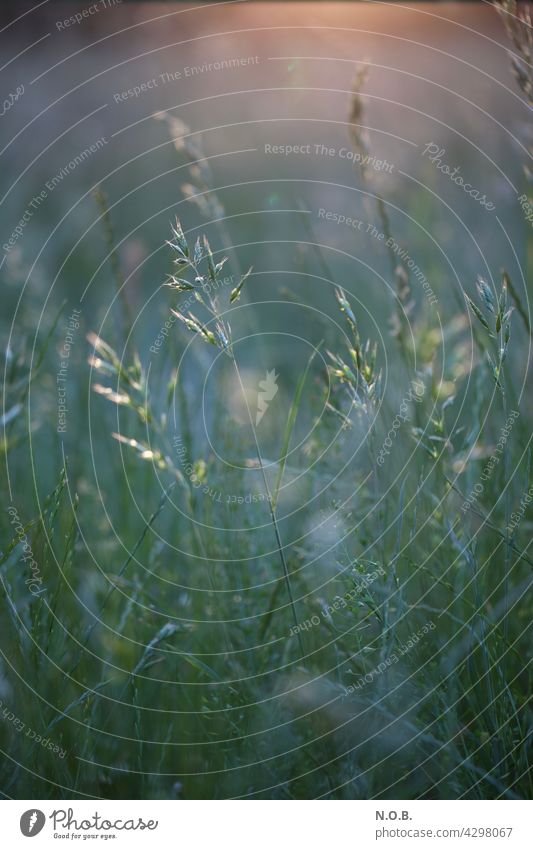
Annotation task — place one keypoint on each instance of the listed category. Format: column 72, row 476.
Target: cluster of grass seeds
column 219, row 335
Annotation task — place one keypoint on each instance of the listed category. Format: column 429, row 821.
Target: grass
column 181, row 648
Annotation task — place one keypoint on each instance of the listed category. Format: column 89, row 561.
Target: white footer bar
column 256, row 825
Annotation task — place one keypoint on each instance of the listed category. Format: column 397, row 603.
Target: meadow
column 266, row 451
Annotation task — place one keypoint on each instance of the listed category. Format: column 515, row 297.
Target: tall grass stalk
column 220, row 336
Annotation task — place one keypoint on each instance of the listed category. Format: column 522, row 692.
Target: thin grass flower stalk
column 200, row 264
column 399, row 272
column 116, row 270
column 495, row 318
